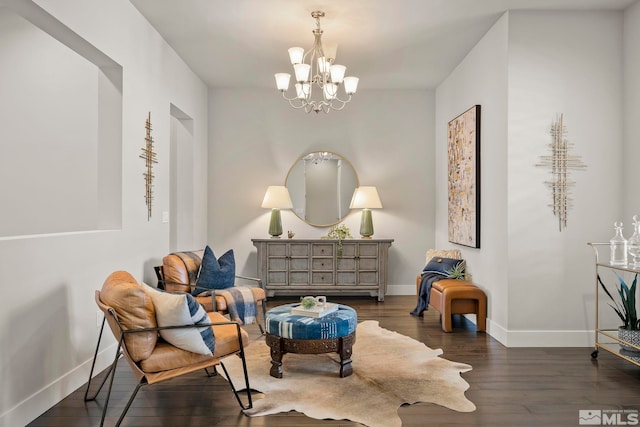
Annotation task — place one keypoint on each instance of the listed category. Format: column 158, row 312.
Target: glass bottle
column 633, row 245
column 618, row 245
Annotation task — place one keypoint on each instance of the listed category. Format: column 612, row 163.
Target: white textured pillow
column 173, row 310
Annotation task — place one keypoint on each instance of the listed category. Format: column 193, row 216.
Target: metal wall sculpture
column 561, row 162
column 149, row 157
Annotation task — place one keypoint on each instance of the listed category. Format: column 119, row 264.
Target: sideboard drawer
column 322, row 264
column 322, row 249
column 324, row 278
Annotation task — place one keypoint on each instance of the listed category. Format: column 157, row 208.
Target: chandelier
column 316, row 88
column 319, row 157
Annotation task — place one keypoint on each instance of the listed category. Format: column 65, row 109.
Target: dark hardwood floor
column 509, row 386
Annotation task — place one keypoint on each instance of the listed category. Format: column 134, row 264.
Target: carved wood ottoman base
column 280, row 346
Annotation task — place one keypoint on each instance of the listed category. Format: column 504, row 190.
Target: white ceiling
column 389, row 44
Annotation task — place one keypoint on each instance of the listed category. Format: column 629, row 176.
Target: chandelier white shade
column 317, row 78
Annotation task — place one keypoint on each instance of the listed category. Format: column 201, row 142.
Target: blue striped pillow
column 180, row 308
column 199, row 316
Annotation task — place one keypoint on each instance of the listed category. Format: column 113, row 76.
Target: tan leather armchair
column 131, row 316
column 176, row 275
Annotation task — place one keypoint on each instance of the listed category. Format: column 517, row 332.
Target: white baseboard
column 520, row 338
column 537, row 338
column 38, row 403
column 401, row 290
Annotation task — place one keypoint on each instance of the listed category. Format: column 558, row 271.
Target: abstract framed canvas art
column 463, row 138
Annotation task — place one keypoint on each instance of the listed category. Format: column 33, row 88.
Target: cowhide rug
column 389, row 370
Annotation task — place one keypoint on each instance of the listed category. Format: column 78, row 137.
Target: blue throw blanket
column 240, row 302
column 426, row 281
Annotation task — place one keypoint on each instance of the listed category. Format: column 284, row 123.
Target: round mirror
column 321, row 185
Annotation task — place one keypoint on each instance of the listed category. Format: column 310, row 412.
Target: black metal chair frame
column 143, row 381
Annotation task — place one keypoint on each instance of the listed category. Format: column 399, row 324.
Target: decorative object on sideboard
column 339, row 232
column 366, row 198
column 629, row 331
column 290, row 234
column 618, row 246
column 317, row 77
column 561, row 162
column 321, row 184
column 463, row 139
column 277, row 197
column 149, row 157
column 633, row 244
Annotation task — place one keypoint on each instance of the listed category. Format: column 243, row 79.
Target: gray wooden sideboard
column 313, row 267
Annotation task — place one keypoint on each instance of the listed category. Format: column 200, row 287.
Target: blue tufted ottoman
column 288, row 333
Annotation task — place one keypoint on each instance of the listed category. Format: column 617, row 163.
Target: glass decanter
column 618, row 245
column 633, row 245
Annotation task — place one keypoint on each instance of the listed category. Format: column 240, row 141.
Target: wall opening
column 181, row 193
column 61, row 128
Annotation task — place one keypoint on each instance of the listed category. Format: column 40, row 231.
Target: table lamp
column 366, row 198
column 277, row 197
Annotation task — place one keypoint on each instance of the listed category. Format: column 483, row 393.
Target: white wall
column 481, row 78
column 530, row 67
column 631, row 150
column 47, row 313
column 255, row 137
column 394, row 139
column 574, row 67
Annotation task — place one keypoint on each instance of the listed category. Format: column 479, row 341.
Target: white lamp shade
column 303, row 90
column 282, row 81
column 295, row 55
column 330, row 91
column 365, row 197
column 277, row 196
column 323, row 65
column 350, row 85
column 337, row 73
column 302, row 72
column 330, row 50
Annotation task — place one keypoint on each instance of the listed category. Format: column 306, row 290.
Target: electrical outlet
column 98, row 319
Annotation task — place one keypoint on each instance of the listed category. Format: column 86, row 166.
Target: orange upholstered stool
column 450, row 296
